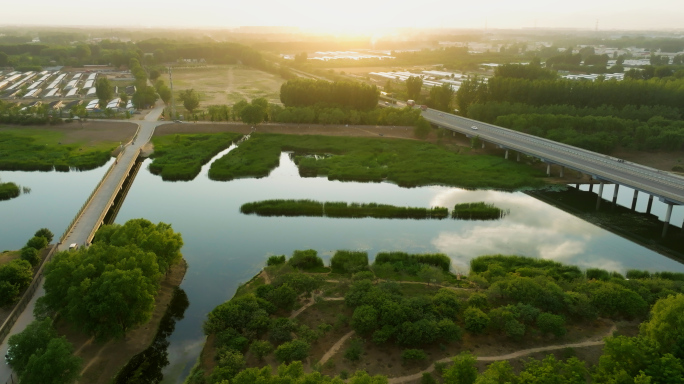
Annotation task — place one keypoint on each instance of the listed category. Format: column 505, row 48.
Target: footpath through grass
column 40, row 150
column 181, row 157
column 408, row 163
column 340, row 210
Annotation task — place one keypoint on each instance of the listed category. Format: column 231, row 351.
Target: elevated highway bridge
column 667, row 187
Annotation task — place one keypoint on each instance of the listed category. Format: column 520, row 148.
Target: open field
column 70, row 145
column 227, row 84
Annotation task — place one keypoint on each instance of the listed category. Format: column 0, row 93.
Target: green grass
column 180, row 157
column 408, row 163
column 35, row 150
column 477, row 211
column 340, row 210
column 9, row 191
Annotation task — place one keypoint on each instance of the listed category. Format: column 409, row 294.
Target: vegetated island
column 180, row 157
column 478, row 211
column 102, row 293
column 408, row 163
column 321, row 327
column 340, row 210
column 9, row 191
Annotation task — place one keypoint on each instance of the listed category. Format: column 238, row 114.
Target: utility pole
column 173, row 101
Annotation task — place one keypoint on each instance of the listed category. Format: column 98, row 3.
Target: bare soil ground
column 89, row 133
column 227, row 84
column 101, row 362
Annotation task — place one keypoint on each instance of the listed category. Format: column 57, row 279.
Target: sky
column 353, row 16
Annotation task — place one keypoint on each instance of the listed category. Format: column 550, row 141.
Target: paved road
column 649, row 180
column 89, row 218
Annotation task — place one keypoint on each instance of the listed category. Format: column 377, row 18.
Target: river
column 225, row 248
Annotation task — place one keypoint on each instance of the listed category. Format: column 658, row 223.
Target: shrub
column 427, row 379
column 46, row 233
column 260, row 348
column 364, row 275
column 598, row 274
column 413, row 355
column 514, row 329
column 476, row 321
column 349, row 261
column 355, row 350
column 477, row 211
column 478, row 300
column 292, row 350
column 636, row 274
column 281, row 330
column 307, row 259
column 31, row 255
column 275, row 260
column 9, row 191
column 365, row 319
column 449, row 331
column 37, row 242
column 550, row 323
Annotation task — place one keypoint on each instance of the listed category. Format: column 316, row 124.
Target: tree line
column 17, row 275
column 306, row 92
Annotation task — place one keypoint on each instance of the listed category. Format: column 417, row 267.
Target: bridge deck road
column 645, row 179
column 88, row 220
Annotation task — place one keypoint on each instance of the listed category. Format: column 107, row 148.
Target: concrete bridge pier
column 518, row 157
column 483, row 144
column 650, row 204
column 506, row 157
column 615, row 194
column 562, row 170
column 548, row 169
column 634, row 199
column 591, row 187
column 668, row 215
column 600, row 193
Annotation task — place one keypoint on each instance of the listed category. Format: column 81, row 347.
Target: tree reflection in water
column 146, row 367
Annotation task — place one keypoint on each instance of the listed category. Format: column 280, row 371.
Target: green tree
column 666, row 324
column 550, row 323
column 190, row 99
column 476, row 321
column 154, row 74
column 55, row 364
column 463, row 371
column 30, row 254
column 499, row 372
column 440, row 97
column 260, row 348
column 35, row 337
column 37, row 242
column 144, row 97
column 365, row 319
column 292, row 350
column 230, row 362
column 431, row 274
column 104, row 90
column 252, row 114
column 413, row 86
column 46, row 233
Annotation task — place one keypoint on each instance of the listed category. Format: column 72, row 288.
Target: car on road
column 177, row 121
column 473, row 127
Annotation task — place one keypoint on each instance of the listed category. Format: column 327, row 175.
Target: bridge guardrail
column 112, row 197
column 588, row 156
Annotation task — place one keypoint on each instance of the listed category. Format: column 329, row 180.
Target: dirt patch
column 101, row 362
column 290, row 129
column 89, row 133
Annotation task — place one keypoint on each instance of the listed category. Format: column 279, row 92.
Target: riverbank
column 101, row 362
